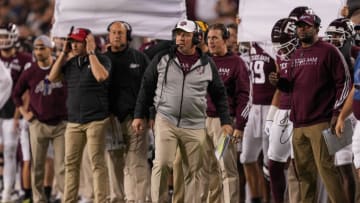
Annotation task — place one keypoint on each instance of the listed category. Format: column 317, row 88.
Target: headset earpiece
column 196, row 36
column 226, row 32
column 218, row 26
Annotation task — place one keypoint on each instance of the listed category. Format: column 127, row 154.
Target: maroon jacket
column 234, row 74
column 320, row 83
column 47, row 100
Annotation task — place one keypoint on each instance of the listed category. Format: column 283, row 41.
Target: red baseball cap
column 79, row 34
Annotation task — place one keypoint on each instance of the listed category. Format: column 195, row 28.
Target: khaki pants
column 115, row 162
column 86, row 180
column 229, row 173
column 210, row 185
column 293, row 184
column 76, row 137
column 210, row 174
column 41, row 135
column 190, row 142
column 178, row 179
column 312, row 157
column 136, row 169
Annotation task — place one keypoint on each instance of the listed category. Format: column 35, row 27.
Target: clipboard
column 335, row 143
column 222, row 146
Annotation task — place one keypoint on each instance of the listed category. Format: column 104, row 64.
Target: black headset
column 196, row 34
column 127, row 27
column 219, row 26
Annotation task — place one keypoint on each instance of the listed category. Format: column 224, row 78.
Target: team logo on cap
column 182, row 23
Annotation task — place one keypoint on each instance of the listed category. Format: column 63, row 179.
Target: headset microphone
column 71, row 30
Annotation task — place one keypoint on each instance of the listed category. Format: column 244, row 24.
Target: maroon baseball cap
column 310, row 19
column 79, row 34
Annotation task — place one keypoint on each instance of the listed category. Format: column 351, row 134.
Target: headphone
column 219, row 26
column 196, row 34
column 127, row 27
column 317, row 21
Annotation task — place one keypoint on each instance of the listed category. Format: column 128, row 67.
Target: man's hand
column 66, row 46
column 227, row 129
column 90, row 43
column 238, row 135
column 138, row 125
column 268, row 124
column 274, row 78
column 333, row 124
column 339, row 128
column 28, row 115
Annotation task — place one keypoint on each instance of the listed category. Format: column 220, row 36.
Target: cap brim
column 303, row 22
column 74, row 38
column 183, row 29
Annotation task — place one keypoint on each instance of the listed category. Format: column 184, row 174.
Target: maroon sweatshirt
column 321, row 83
column 234, row 74
column 47, row 100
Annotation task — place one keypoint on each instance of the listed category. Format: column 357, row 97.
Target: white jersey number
column 257, row 72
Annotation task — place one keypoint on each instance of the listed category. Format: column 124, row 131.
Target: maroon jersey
column 261, row 65
column 15, row 64
column 47, row 100
column 234, row 74
column 284, row 70
column 321, row 83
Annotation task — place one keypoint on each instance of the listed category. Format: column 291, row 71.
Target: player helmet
column 8, row 35
column 339, row 30
column 297, row 12
column 283, row 37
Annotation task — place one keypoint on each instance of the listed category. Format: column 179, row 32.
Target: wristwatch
column 91, row 52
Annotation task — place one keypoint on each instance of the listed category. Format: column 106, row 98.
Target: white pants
column 280, row 136
column 24, row 140
column 254, row 139
column 345, row 156
column 356, row 145
column 10, row 137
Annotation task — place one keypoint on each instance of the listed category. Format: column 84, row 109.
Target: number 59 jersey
column 261, row 65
